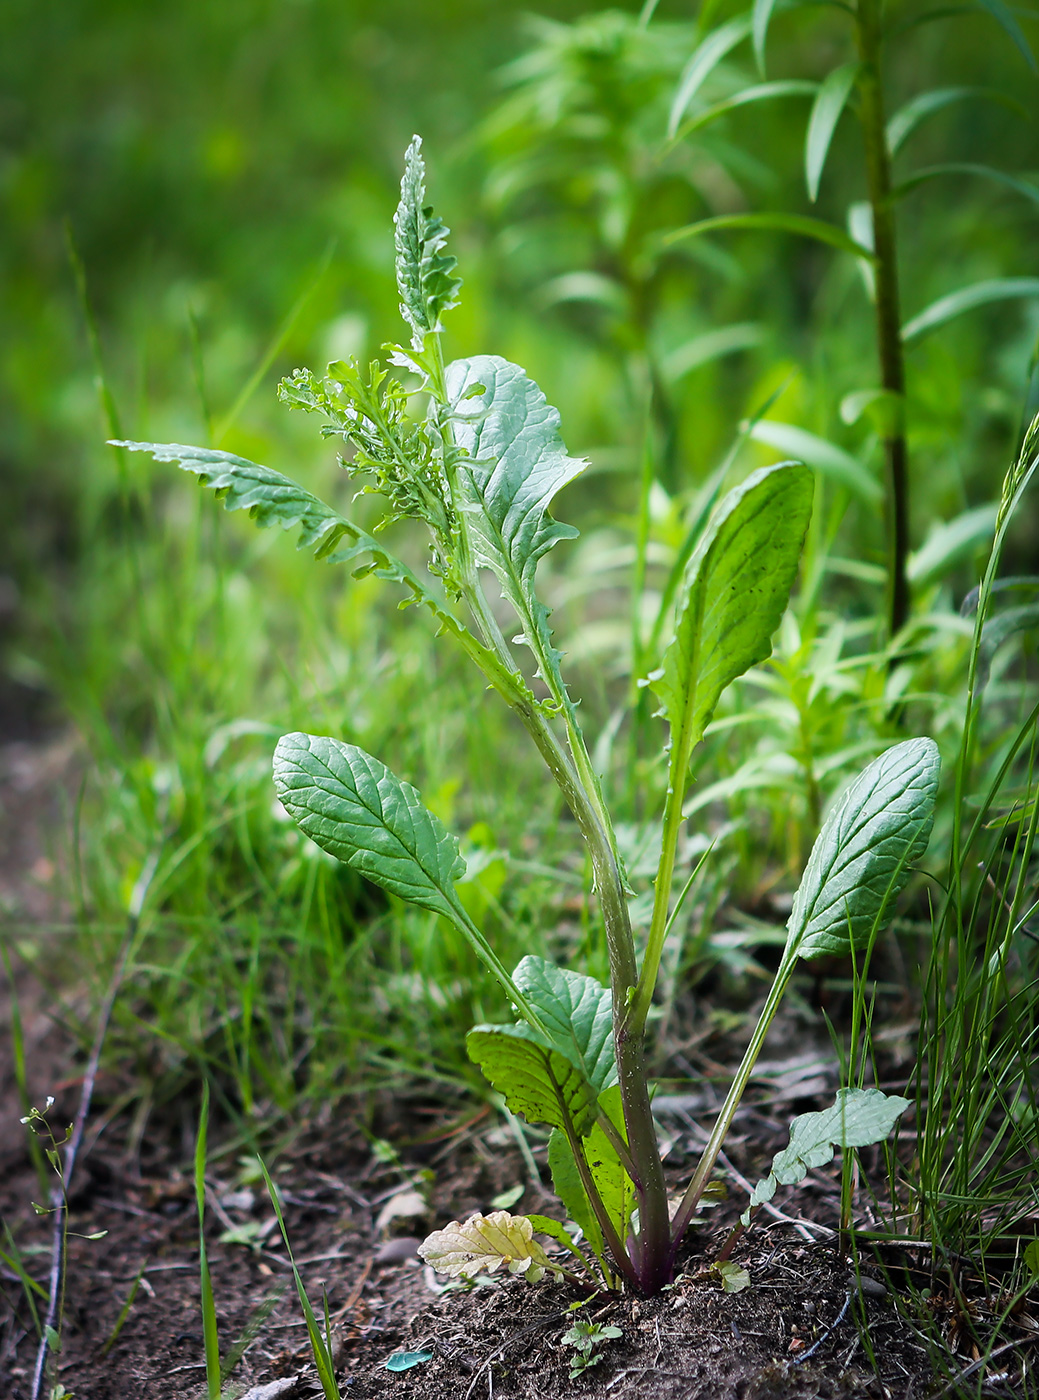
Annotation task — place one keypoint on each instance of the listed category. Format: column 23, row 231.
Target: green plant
column 480, row 469
column 587, row 1338
column 859, row 84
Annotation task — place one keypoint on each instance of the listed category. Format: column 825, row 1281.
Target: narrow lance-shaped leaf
column 740, row 580
column 819, row 229
column 425, row 274
column 517, row 462
column 858, row 1118
column 966, row 299
column 864, row 854
column 703, row 61
column 906, row 120
column 832, row 98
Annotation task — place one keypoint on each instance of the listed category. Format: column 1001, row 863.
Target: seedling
column 480, row 467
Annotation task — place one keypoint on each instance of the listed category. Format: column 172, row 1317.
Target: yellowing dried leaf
column 485, row 1242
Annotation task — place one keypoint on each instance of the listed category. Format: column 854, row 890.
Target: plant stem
column 889, row 336
column 695, row 1189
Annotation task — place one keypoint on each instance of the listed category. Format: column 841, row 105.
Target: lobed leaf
column 534, row 1076
column 354, row 808
column 857, row 1118
column 863, row 855
column 425, row 274
column 484, row 1243
column 739, row 583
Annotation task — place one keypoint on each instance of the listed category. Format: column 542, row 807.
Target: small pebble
column 872, row 1287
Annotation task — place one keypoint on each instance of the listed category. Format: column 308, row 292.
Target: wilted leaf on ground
column 485, row 1242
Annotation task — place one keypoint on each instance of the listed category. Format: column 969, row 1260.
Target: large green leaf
column 863, row 856
column 516, row 463
column 354, row 808
column 739, row 582
column 576, row 1012
column 612, row 1182
column 534, row 1076
column 834, row 91
column 858, row 1118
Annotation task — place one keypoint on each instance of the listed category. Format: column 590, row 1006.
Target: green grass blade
column 209, row 1331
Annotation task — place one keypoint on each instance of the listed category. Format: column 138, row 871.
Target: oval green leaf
column 863, row 856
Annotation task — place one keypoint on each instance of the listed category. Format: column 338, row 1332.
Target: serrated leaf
column 830, row 102
column 483, row 1244
column 801, row 224
column 534, row 1076
column 966, row 299
column 516, row 463
column 739, row 582
column 577, row 1014
column 425, row 275
column 273, row 499
column 612, row 1182
column 354, row 808
column 857, row 1118
column 864, row 853
column 826, row 457
column 703, row 61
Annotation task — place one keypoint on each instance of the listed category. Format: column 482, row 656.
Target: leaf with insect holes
column 515, row 463
column 857, row 1118
column 534, row 1076
column 354, row 808
column 611, row 1180
column 425, row 274
column 739, row 582
column 864, row 854
column 483, row 1244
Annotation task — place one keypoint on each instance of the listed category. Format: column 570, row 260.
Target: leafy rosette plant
column 481, row 468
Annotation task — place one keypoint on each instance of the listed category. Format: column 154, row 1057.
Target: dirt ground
column 810, row 1323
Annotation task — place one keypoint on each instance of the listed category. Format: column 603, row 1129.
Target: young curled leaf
column 484, row 1243
column 425, row 274
column 857, row 1118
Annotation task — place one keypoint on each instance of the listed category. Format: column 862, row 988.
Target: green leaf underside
column 966, row 299
column 825, row 457
column 577, row 1013
column 863, row 856
column 354, row 808
column 535, row 1078
column 818, row 229
column 425, row 274
column 611, row 1180
column 858, row 1118
column 740, row 581
column 834, row 92
column 517, row 462
column 272, row 499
